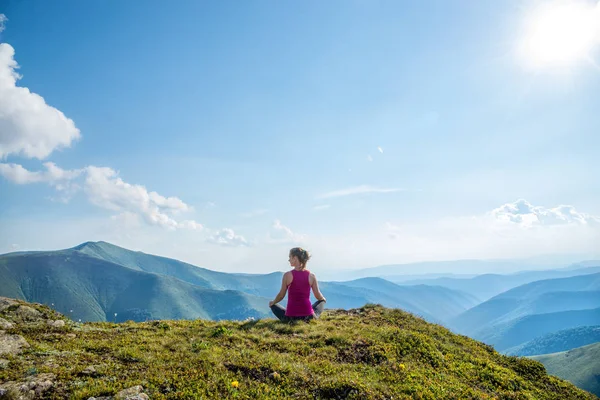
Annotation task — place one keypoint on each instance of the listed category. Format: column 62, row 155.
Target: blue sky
column 367, row 132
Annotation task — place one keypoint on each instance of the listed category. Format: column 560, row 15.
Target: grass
column 367, row 353
column 580, row 366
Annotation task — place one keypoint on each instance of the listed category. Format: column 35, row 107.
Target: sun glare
column 560, row 34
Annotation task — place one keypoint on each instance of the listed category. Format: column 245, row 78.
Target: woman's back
column 299, row 295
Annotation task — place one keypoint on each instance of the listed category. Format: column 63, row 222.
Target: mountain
column 521, row 330
column 581, row 366
column 95, row 289
column 434, row 267
column 540, row 297
column 433, row 303
column 366, row 353
column 555, row 342
column 486, row 286
column 259, row 285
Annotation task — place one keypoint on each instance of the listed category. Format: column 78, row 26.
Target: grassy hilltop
column 366, row 353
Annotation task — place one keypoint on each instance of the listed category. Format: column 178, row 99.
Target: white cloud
column 380, row 149
column 524, row 214
column 3, row 20
column 282, row 234
column 105, row 189
column 321, row 207
column 369, row 158
column 53, row 174
column 28, row 126
column 60, row 179
column 513, row 230
column 356, row 190
column 227, row 237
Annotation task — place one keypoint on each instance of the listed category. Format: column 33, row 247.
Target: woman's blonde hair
column 302, row 255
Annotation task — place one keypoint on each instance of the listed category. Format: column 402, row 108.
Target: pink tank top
column 298, row 304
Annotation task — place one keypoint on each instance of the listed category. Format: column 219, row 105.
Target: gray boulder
column 4, row 324
column 12, row 344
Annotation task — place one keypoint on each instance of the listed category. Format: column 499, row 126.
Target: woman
column 299, row 281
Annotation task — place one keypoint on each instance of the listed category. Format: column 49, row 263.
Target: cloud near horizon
column 227, row 237
column 28, row 126
column 524, row 214
column 513, row 230
column 283, row 235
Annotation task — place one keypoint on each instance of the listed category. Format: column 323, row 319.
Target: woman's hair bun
column 302, row 254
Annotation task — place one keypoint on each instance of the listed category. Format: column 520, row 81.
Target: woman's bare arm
column 315, row 288
column 283, row 290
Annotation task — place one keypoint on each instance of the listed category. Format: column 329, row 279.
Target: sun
column 560, row 33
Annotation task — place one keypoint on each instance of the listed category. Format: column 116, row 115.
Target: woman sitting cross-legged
column 299, row 281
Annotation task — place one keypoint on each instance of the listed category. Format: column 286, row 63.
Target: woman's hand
column 271, row 303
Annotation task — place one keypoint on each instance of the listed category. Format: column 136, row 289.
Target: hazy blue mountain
column 580, row 366
column 545, row 296
column 439, row 302
column 433, row 303
column 466, row 267
column 487, row 286
column 515, row 332
column 555, row 342
column 96, row 289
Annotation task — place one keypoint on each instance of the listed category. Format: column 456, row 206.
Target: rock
column 4, row 363
column 59, row 323
column 12, row 344
column 130, row 392
column 141, row 396
column 32, row 388
column 27, row 313
column 43, row 386
column 5, row 302
column 4, row 324
column 90, row 371
column 71, row 335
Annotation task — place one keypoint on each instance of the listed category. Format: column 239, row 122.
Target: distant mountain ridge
column 486, row 286
column 189, row 291
column 541, row 297
column 555, row 342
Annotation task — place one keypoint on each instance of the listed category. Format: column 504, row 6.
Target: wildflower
column 274, row 375
column 235, row 384
column 402, row 366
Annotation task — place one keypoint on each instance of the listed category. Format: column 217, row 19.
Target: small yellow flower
column 235, row 384
column 402, row 366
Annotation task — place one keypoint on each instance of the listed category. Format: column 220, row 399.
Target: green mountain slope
column 96, row 289
column 260, row 285
column 555, row 342
column 367, row 353
column 581, row 366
